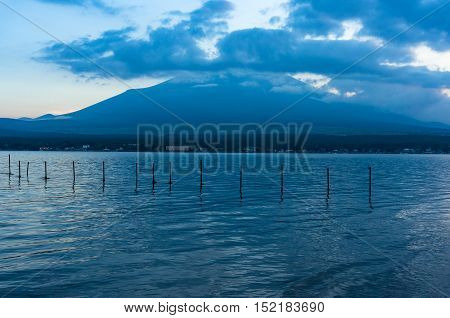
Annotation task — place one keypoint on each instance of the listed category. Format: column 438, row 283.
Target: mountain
column 223, row 99
column 46, row 117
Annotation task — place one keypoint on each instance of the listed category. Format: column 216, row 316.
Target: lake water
column 57, row 240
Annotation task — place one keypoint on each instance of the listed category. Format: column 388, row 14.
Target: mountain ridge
column 224, row 99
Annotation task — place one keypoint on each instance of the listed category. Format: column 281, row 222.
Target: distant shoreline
column 326, row 144
column 235, row 153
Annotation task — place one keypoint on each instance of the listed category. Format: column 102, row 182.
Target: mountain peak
column 46, row 117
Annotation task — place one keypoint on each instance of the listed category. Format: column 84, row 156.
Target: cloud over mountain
column 319, row 37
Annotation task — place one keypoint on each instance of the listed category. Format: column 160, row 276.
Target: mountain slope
column 224, row 99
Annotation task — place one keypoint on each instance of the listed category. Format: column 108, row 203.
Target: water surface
column 57, row 240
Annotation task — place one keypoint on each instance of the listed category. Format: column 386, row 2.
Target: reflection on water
column 63, row 239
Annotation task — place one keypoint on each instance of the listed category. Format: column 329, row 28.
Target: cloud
column 315, row 80
column 424, row 56
column 249, row 84
column 445, row 92
column 209, row 20
column 288, row 88
column 350, row 94
column 350, row 30
column 334, row 91
column 315, row 42
column 275, row 20
column 200, row 41
column 205, row 85
column 320, row 83
column 83, row 3
column 165, row 48
column 383, row 18
column 285, row 51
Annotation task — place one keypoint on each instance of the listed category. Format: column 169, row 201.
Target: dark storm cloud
column 176, row 48
column 165, row 48
column 382, row 18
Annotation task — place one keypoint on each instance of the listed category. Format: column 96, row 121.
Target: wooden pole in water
column 73, row 171
column 9, row 165
column 153, row 175
column 170, row 172
column 45, row 169
column 201, row 175
column 328, row 182
column 103, row 171
column 241, row 181
column 370, row 183
column 28, row 168
column 20, row 173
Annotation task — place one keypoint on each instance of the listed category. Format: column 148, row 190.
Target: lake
column 58, row 239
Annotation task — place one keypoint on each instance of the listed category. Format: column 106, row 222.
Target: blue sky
column 145, row 42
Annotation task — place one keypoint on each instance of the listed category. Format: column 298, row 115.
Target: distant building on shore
column 179, row 148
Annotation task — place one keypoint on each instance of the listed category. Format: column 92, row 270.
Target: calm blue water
column 86, row 241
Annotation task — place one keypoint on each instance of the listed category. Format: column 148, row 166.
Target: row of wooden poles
column 171, row 179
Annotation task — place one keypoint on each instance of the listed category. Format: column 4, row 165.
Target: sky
column 57, row 56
